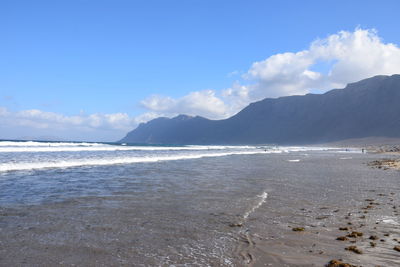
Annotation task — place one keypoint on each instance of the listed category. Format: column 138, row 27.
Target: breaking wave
column 32, row 146
column 112, row 161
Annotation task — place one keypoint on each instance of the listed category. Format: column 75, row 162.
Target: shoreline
column 252, row 210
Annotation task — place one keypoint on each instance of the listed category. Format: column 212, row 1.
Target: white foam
column 94, row 148
column 112, row 161
column 31, row 146
column 294, row 160
column 263, row 198
column 389, row 220
column 44, row 144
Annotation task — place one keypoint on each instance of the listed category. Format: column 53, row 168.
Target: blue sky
column 141, row 59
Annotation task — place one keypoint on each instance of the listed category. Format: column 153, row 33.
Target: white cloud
column 203, row 103
column 351, row 56
column 347, row 57
column 35, row 122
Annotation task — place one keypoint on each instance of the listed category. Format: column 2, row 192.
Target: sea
column 117, row 204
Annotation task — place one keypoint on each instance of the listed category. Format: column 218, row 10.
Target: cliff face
column 368, row 108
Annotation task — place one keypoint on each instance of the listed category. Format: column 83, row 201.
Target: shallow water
column 118, row 205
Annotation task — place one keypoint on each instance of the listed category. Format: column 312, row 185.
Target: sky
column 93, row 69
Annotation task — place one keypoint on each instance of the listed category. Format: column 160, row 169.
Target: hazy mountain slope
column 367, row 108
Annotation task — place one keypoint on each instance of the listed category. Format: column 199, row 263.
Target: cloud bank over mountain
column 327, row 63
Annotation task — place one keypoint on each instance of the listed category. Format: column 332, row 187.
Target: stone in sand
column 298, row 229
column 355, row 234
column 397, row 248
column 342, row 238
column 374, row 237
column 235, row 224
column 354, row 249
column 339, row 263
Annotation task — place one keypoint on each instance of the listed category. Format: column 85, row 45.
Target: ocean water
column 118, row 204
column 33, row 172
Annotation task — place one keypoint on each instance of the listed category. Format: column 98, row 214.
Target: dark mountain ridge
column 368, row 108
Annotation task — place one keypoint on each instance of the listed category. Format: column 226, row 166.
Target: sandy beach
column 352, row 219
column 248, row 210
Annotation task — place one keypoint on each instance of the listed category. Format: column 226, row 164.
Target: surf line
column 246, row 244
column 263, row 198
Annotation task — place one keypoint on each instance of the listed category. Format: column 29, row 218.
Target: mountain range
column 368, row 108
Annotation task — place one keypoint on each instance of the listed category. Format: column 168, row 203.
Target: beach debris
column 339, row 263
column 386, row 234
column 298, row 229
column 354, row 249
column 344, row 228
column 342, row 238
column 385, row 164
column 369, row 199
column 397, row 248
column 236, row 224
column 373, row 244
column 355, row 234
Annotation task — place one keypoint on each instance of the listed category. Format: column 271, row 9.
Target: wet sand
column 350, row 214
column 233, row 211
